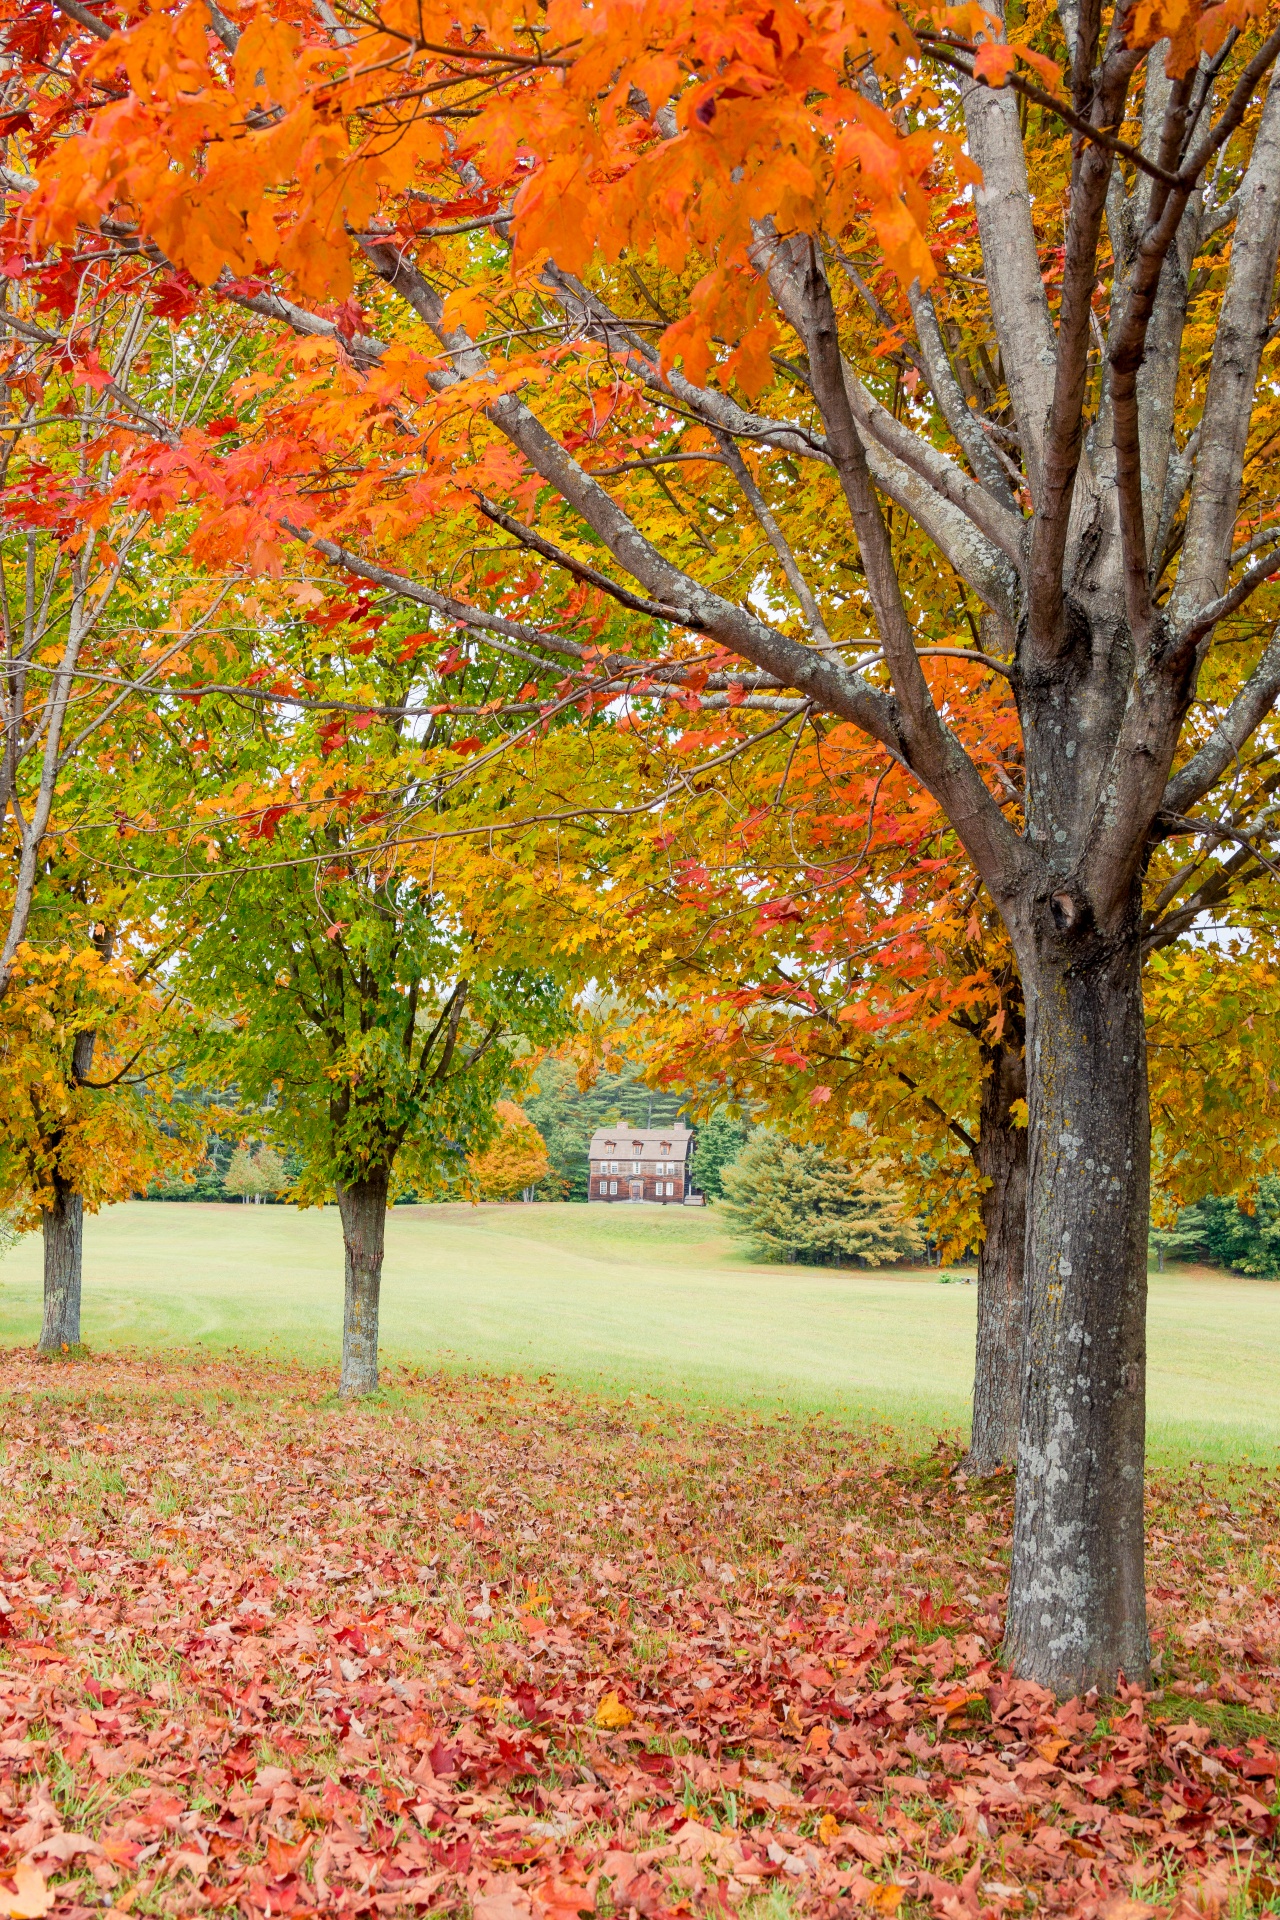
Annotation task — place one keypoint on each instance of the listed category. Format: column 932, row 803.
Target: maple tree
column 372, row 1033
column 825, row 965
column 633, row 162
column 86, row 1044
column 514, row 1161
column 370, row 1016
column 92, row 370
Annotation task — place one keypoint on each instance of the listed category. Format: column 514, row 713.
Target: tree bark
column 63, row 1250
column 997, row 1372
column 1077, row 1601
column 363, row 1206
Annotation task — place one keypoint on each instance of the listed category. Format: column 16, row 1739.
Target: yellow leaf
column 885, row 1899
column 828, row 1829
column 612, row 1714
column 32, row 1899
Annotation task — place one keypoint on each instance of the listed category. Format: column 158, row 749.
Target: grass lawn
column 619, row 1300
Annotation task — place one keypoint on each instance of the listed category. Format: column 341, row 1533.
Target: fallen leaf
column 32, row 1898
column 612, row 1714
column 502, row 1906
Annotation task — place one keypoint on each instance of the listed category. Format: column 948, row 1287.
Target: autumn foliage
column 634, row 401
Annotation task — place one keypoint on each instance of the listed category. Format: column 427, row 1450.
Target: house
column 642, row 1163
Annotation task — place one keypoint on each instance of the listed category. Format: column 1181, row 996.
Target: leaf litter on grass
column 484, row 1646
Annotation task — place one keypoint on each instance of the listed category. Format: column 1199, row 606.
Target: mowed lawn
column 629, row 1300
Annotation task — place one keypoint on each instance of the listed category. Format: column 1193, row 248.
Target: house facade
column 642, row 1163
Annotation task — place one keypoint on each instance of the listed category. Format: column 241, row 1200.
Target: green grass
column 621, row 1300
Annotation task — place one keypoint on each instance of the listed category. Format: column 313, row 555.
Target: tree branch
column 1247, row 711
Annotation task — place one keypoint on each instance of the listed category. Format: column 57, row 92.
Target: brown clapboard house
column 642, row 1163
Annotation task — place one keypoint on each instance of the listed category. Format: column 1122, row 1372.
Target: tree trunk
column 63, row 1247
column 1077, row 1600
column 997, row 1373
column 363, row 1206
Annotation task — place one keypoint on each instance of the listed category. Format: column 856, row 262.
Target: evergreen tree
column 1185, row 1236
column 794, row 1202
column 720, row 1141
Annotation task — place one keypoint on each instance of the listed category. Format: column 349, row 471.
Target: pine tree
column 793, row 1202
column 1186, row 1234
column 720, row 1141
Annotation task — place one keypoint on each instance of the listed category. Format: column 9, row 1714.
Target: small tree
column 374, row 1033
column 242, row 1176
column 272, row 1173
column 85, row 1120
column 1184, row 1236
column 512, row 1163
column 793, row 1202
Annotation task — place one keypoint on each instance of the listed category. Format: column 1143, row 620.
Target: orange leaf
column 1049, row 70
column 994, row 63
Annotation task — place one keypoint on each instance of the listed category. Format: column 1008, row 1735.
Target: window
column 670, row 1187
column 635, row 1166
column 613, row 1186
column 613, row 1166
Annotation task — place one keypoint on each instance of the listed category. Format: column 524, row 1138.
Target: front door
column 637, row 1189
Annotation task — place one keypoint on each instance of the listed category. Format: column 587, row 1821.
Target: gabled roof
column 640, row 1143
